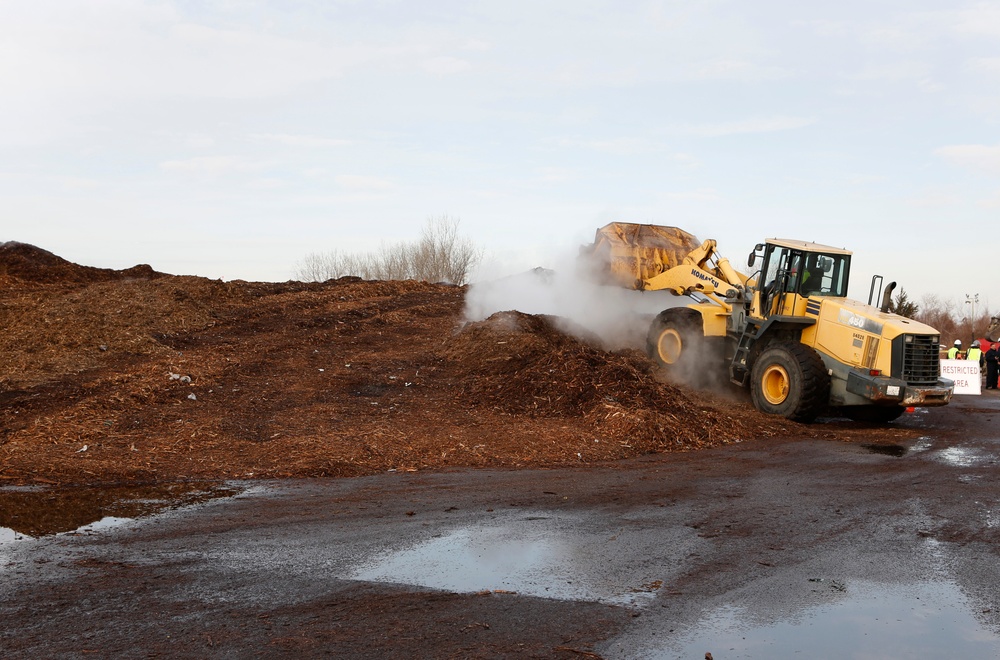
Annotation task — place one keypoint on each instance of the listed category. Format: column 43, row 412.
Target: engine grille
column 921, row 364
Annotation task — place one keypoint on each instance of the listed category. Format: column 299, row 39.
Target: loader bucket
column 627, row 254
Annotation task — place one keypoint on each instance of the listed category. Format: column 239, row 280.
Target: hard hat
column 958, row 342
column 975, row 344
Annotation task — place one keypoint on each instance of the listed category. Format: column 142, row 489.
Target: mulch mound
column 32, row 264
column 51, row 331
column 523, row 364
column 113, row 378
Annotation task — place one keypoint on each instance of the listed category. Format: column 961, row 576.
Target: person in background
column 975, row 353
column 953, row 352
column 992, row 359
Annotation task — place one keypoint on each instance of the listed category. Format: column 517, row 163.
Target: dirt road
column 767, row 548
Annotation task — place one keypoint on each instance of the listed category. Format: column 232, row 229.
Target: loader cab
column 793, row 271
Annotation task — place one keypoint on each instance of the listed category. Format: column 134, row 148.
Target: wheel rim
column 774, row 384
column 669, row 346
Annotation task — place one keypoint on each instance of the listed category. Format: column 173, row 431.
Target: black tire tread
column 815, row 394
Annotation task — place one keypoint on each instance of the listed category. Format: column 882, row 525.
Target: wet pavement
column 28, row 512
column 912, row 620
column 807, row 548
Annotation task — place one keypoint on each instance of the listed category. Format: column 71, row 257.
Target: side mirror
column 751, row 259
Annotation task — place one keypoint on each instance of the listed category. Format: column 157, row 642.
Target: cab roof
column 806, row 246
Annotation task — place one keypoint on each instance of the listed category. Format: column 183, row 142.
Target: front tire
column 676, row 342
column 790, row 379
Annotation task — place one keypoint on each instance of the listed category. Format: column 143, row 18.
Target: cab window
column 806, row 273
column 824, row 275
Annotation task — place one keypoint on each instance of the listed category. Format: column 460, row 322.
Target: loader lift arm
column 702, row 271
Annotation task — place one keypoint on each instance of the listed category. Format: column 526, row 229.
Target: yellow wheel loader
column 787, row 331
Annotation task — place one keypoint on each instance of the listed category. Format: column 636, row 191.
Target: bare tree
column 953, row 320
column 940, row 315
column 440, row 255
column 315, row 267
column 322, row 266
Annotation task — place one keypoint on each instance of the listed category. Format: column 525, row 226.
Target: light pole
column 972, row 300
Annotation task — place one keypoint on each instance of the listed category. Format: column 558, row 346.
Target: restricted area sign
column 965, row 373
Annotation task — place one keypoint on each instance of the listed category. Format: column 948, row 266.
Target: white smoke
column 619, row 317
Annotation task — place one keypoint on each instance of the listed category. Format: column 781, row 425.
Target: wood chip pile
column 524, row 365
column 136, row 376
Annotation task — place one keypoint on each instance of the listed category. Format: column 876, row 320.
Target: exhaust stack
column 887, row 297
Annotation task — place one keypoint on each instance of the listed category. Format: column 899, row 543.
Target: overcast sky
column 229, row 139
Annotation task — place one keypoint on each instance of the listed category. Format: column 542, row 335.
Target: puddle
column 9, row 536
column 470, row 561
column 31, row 512
column 887, row 450
column 926, row 620
column 523, row 557
column 961, row 456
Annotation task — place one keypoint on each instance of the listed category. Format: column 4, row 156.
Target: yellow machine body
column 869, row 355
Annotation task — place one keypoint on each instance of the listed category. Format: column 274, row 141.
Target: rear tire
column 873, row 414
column 790, row 379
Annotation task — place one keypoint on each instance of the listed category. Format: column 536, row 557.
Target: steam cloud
column 619, row 317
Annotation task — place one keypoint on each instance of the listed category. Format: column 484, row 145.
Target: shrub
column 439, row 255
